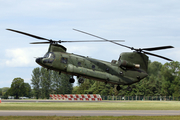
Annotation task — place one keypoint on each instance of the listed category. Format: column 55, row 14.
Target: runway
column 89, row 112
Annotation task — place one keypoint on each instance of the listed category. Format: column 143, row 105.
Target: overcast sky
column 140, row 23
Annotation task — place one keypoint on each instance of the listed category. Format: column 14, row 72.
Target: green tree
column 169, row 73
column 35, row 81
column 27, row 90
column 106, row 89
column 153, row 82
column 56, row 83
column 154, row 68
column 61, row 84
column 66, row 86
column 46, row 82
column 176, row 86
column 149, row 86
column 17, row 87
column 4, row 90
column 7, row 93
column 85, row 88
column 0, row 91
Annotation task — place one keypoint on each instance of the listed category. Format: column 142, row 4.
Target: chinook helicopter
column 131, row 67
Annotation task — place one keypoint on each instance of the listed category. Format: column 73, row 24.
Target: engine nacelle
column 126, row 64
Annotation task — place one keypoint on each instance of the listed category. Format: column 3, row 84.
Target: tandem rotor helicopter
column 131, row 67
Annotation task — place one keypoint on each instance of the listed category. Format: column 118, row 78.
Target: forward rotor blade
column 104, row 39
column 158, row 56
column 157, row 48
column 34, row 36
column 40, row 43
column 93, row 41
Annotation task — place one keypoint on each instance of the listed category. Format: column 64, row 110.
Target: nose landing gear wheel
column 118, row 88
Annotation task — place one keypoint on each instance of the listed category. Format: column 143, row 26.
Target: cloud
column 23, row 57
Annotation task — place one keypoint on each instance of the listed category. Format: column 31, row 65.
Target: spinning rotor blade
column 157, row 48
column 138, row 50
column 34, row 36
column 104, row 39
column 158, row 56
column 93, row 41
column 51, row 41
column 40, row 43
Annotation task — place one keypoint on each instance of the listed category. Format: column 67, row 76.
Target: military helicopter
column 131, row 67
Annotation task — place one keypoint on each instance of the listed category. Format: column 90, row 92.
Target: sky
column 140, row 23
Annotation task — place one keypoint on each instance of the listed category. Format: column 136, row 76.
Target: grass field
column 108, row 105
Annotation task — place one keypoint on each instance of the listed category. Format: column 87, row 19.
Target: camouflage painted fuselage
column 130, row 68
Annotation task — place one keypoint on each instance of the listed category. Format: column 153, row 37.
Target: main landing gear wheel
column 118, row 88
column 81, row 80
column 71, row 80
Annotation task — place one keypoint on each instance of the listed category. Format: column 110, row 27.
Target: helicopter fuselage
column 110, row 72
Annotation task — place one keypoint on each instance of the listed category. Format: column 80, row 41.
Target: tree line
column 43, row 81
column 162, row 80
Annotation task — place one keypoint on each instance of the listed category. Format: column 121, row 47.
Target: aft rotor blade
column 157, row 48
column 40, row 43
column 34, row 36
column 93, row 41
column 104, row 39
column 158, row 56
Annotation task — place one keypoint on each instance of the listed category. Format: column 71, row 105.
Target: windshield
column 50, row 57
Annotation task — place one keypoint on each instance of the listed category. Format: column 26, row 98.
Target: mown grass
column 90, row 118
column 134, row 105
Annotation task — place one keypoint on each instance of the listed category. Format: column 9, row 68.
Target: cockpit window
column 64, row 60
column 50, row 57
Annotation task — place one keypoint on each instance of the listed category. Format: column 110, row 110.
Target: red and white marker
column 76, row 97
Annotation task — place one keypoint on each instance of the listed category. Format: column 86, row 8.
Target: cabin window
column 93, row 67
column 64, row 60
column 107, row 69
column 79, row 63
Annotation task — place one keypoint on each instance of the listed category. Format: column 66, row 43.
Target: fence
column 157, row 98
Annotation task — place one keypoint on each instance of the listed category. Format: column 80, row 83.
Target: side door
column 64, row 61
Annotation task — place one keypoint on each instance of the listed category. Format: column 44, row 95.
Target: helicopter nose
column 38, row 60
